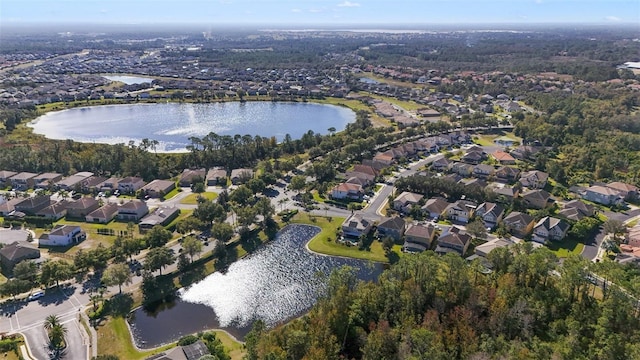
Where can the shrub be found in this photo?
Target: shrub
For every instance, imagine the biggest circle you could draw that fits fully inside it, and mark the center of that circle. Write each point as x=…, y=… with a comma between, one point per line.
x=187, y=340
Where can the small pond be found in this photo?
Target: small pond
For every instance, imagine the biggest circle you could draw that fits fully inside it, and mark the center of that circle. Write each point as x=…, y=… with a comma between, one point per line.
x=280, y=281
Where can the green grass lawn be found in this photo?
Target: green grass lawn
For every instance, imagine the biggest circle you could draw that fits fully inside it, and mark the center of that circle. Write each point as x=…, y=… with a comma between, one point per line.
x=172, y=193
x=565, y=248
x=3, y=279
x=114, y=339
x=321, y=244
x=192, y=199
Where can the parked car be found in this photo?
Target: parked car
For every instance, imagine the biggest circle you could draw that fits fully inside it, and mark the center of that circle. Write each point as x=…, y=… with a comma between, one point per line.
x=36, y=295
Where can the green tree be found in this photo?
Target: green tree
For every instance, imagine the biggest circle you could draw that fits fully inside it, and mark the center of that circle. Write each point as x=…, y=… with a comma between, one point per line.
x=26, y=270
x=191, y=246
x=159, y=257
x=222, y=232
x=158, y=236
x=477, y=229
x=55, y=271
x=265, y=209
x=117, y=274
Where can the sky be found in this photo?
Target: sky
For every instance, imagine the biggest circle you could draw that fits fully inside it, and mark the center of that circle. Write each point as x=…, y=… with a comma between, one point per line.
x=300, y=12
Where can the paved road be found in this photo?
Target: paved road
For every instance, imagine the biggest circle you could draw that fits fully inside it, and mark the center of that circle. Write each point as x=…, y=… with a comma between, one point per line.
x=28, y=318
x=592, y=246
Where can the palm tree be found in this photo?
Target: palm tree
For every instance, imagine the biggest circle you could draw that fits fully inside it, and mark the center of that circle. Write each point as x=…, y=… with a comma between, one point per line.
x=51, y=321
x=56, y=337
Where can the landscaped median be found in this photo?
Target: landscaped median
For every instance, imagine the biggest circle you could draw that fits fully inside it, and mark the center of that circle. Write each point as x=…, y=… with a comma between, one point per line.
x=325, y=242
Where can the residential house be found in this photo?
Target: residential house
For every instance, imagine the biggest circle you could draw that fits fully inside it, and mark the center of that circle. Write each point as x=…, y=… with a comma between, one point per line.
x=240, y=176
x=347, y=191
x=46, y=180
x=473, y=157
x=534, y=179
x=162, y=215
x=549, y=228
x=525, y=152
x=576, y=210
x=158, y=188
x=434, y=207
x=375, y=164
x=467, y=183
x=130, y=184
x=189, y=176
x=518, y=223
x=629, y=192
x=462, y=169
x=483, y=171
x=356, y=225
x=503, y=158
x=507, y=174
x=453, y=240
x=82, y=207
x=392, y=227
x=72, y=182
x=16, y=252
x=5, y=175
x=8, y=207
x=55, y=211
x=91, y=184
x=484, y=249
x=460, y=211
x=536, y=199
x=384, y=159
x=103, y=214
x=490, y=213
x=133, y=210
x=603, y=195
x=33, y=204
x=62, y=235
x=109, y=185
x=506, y=194
x=216, y=176
x=405, y=201
x=23, y=181
x=418, y=237
x=441, y=165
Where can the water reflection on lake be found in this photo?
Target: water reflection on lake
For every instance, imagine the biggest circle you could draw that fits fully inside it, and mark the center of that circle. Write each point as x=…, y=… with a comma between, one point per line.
x=278, y=282
x=128, y=80
x=173, y=124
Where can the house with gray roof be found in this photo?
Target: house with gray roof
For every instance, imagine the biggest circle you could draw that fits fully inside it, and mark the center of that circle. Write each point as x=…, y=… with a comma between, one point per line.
x=392, y=227
x=162, y=215
x=549, y=228
x=16, y=252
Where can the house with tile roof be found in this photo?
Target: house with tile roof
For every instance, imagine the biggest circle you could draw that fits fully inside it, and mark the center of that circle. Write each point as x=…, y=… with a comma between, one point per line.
x=549, y=228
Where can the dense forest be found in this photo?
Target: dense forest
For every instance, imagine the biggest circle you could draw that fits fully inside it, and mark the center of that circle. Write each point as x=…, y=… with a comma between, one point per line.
x=432, y=307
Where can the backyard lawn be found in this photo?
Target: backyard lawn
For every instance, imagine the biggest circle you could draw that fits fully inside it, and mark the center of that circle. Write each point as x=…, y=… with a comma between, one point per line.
x=324, y=242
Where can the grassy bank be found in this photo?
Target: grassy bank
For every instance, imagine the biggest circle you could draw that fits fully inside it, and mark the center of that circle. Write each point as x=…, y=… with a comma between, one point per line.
x=324, y=242
x=114, y=338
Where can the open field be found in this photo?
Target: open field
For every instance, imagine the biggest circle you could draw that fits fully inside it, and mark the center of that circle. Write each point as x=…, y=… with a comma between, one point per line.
x=566, y=247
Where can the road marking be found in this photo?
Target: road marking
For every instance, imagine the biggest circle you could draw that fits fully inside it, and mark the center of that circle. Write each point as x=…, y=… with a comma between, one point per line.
x=17, y=321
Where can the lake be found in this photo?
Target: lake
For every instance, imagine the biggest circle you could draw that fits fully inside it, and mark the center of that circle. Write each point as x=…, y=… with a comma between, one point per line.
x=172, y=124
x=128, y=80
x=280, y=281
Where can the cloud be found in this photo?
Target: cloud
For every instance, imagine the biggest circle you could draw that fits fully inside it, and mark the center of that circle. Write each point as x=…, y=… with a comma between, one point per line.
x=348, y=4
x=296, y=10
x=612, y=18
x=315, y=10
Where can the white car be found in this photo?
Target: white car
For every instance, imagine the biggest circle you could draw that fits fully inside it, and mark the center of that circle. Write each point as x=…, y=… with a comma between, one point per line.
x=36, y=295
